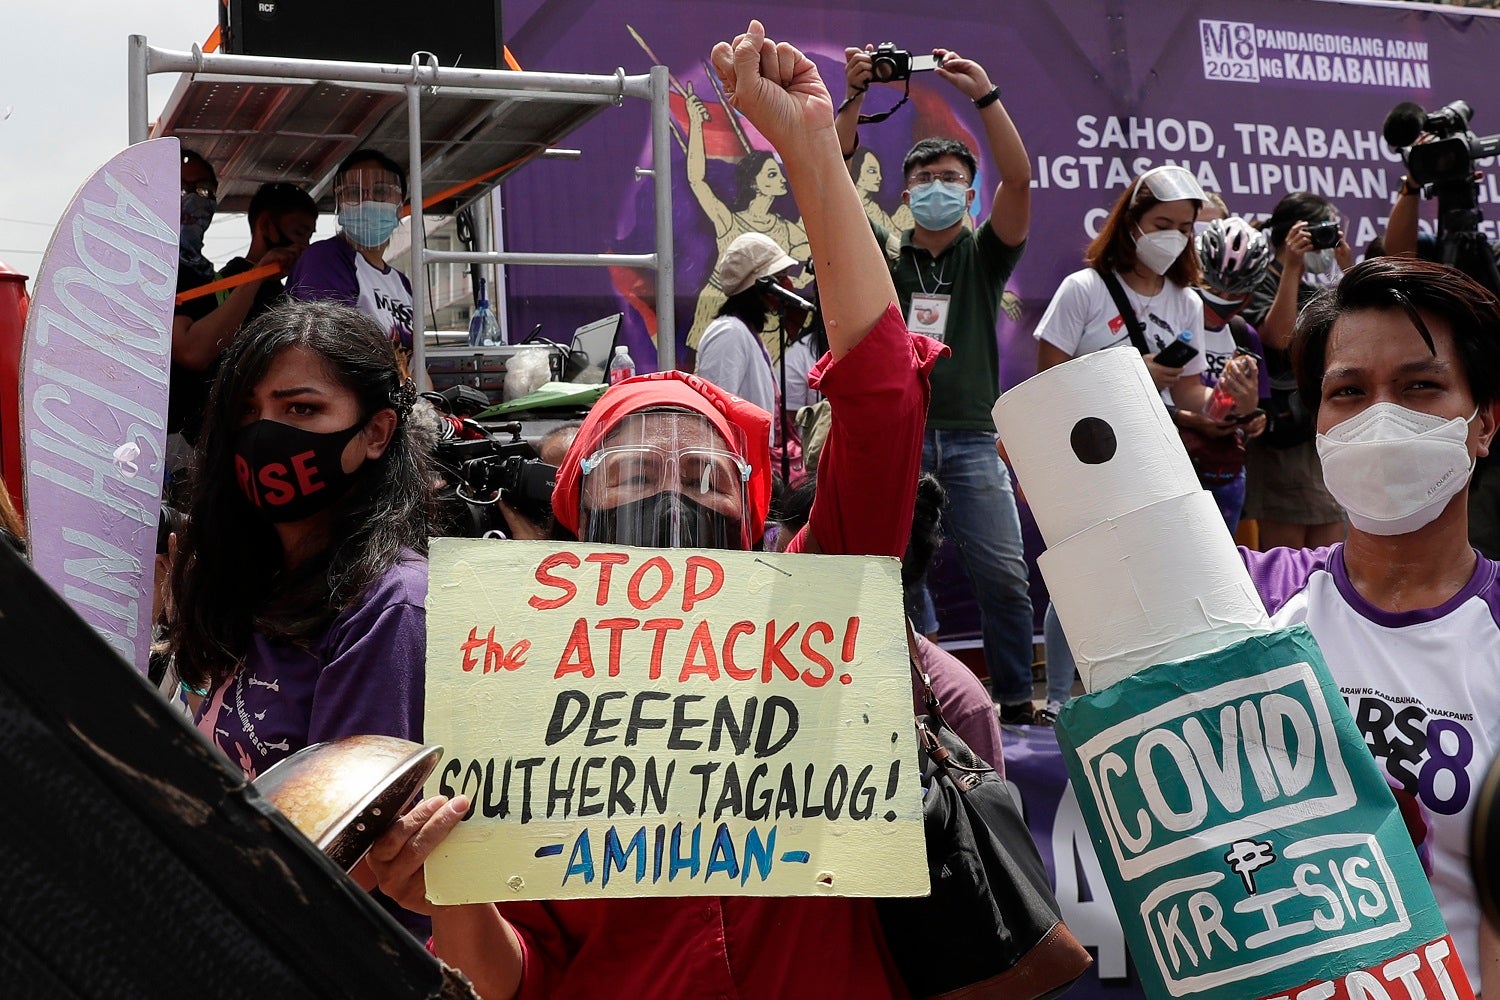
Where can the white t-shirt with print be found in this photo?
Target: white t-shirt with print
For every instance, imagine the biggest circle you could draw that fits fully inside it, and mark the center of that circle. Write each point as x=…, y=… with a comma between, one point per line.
x=1082, y=318
x=385, y=297
x=1424, y=689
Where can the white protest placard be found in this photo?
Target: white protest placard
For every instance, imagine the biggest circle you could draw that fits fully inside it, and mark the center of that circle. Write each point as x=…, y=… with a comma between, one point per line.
x=653, y=722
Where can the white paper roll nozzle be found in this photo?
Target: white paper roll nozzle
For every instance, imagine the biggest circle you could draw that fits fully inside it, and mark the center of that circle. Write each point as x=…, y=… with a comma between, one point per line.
x=1090, y=439
x=1139, y=563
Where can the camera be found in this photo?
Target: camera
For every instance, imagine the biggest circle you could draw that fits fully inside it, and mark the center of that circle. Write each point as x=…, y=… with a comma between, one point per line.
x=1324, y=235
x=1444, y=168
x=1449, y=157
x=889, y=64
x=476, y=472
x=524, y=483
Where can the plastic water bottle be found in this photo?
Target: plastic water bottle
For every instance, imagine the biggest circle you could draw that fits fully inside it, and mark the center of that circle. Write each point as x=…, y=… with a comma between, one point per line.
x=484, y=329
x=621, y=366
x=1220, y=403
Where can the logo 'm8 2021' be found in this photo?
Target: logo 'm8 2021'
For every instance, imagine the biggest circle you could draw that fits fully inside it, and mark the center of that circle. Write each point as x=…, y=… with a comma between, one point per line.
x=1229, y=51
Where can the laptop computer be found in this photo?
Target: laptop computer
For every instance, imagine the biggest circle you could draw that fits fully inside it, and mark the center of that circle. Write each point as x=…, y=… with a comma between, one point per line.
x=597, y=340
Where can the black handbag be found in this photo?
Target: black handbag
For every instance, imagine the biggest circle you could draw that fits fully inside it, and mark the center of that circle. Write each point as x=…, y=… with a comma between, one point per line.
x=991, y=927
x=1218, y=461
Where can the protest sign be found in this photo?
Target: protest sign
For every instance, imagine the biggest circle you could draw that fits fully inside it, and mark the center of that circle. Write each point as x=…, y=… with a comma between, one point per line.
x=638, y=722
x=1251, y=845
x=94, y=385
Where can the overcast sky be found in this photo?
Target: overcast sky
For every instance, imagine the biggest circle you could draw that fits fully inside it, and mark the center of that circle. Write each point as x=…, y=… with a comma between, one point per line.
x=62, y=80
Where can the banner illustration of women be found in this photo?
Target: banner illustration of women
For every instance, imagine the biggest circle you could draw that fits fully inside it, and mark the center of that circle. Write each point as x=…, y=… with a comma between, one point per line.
x=758, y=185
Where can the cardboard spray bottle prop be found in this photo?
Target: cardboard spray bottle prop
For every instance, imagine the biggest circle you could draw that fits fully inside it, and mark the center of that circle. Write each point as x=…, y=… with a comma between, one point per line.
x=1251, y=844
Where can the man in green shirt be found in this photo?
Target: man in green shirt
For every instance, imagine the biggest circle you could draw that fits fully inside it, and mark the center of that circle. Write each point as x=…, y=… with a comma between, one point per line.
x=950, y=279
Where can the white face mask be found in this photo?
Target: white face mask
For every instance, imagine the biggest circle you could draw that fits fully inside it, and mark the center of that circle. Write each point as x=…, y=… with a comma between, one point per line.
x=1318, y=262
x=1394, y=469
x=1160, y=249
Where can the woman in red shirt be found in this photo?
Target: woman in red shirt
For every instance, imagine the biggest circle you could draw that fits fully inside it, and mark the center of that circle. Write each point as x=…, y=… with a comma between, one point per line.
x=670, y=459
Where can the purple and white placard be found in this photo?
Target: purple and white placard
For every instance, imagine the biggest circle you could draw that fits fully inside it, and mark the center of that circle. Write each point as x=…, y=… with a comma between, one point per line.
x=94, y=370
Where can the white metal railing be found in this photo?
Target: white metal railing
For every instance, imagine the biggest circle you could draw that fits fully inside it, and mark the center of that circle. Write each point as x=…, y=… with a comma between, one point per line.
x=424, y=74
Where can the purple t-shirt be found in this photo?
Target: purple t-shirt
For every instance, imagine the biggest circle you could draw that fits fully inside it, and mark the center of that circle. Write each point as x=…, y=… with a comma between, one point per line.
x=333, y=270
x=967, y=706
x=1423, y=686
x=364, y=676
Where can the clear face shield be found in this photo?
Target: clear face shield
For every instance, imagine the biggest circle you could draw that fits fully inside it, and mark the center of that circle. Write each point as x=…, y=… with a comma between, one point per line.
x=1170, y=183
x=369, y=204
x=666, y=479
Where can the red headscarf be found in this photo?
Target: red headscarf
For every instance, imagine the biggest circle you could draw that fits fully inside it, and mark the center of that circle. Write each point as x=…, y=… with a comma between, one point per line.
x=680, y=391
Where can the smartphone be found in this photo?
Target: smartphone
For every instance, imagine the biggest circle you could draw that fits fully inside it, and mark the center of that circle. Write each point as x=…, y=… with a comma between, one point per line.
x=1176, y=354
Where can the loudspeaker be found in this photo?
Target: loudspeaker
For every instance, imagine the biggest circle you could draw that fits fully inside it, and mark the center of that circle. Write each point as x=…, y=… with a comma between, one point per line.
x=372, y=31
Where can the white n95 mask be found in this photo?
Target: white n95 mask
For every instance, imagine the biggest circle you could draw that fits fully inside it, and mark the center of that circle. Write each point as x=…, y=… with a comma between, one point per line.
x=1394, y=469
x=1160, y=250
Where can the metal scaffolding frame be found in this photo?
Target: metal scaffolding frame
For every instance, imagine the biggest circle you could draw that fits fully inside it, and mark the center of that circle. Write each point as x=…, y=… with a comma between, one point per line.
x=424, y=76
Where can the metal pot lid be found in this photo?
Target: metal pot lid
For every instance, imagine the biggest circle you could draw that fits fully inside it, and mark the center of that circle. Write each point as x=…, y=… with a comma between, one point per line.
x=345, y=793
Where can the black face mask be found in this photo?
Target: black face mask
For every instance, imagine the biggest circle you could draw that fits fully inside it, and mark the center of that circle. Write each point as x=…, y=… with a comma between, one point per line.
x=280, y=242
x=289, y=473
x=649, y=522
x=1222, y=312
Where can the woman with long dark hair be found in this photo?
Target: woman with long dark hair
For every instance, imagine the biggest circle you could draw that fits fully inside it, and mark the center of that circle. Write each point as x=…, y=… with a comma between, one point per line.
x=308, y=494
x=301, y=573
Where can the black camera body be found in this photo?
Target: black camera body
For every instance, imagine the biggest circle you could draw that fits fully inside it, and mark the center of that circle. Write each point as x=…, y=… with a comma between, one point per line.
x=478, y=472
x=1448, y=157
x=1324, y=235
x=524, y=483
x=1444, y=167
x=889, y=64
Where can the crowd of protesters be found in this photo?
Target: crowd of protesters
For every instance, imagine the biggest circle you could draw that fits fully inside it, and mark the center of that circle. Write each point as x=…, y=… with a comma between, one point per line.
x=1331, y=408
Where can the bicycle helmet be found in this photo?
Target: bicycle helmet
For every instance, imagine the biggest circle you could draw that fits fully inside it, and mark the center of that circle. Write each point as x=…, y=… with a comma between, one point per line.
x=1234, y=255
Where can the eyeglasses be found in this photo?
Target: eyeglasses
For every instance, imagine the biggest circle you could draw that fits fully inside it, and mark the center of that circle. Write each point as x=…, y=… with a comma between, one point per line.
x=713, y=477
x=924, y=177
x=202, y=189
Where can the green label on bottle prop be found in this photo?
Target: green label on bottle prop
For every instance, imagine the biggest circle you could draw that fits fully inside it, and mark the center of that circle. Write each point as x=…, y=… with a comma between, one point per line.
x=1250, y=842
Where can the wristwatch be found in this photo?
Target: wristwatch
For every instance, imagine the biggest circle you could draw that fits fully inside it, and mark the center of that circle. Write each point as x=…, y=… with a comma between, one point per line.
x=983, y=102
x=1408, y=188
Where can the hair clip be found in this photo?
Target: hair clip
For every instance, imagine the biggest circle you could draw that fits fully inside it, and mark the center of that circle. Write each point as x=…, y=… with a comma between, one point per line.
x=404, y=397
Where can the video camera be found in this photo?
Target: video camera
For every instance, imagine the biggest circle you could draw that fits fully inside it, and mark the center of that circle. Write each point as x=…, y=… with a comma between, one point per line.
x=1444, y=167
x=482, y=467
x=1450, y=156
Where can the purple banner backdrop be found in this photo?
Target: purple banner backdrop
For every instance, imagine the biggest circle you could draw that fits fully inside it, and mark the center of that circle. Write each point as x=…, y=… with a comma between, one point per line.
x=94, y=381
x=1258, y=99
x=1034, y=767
